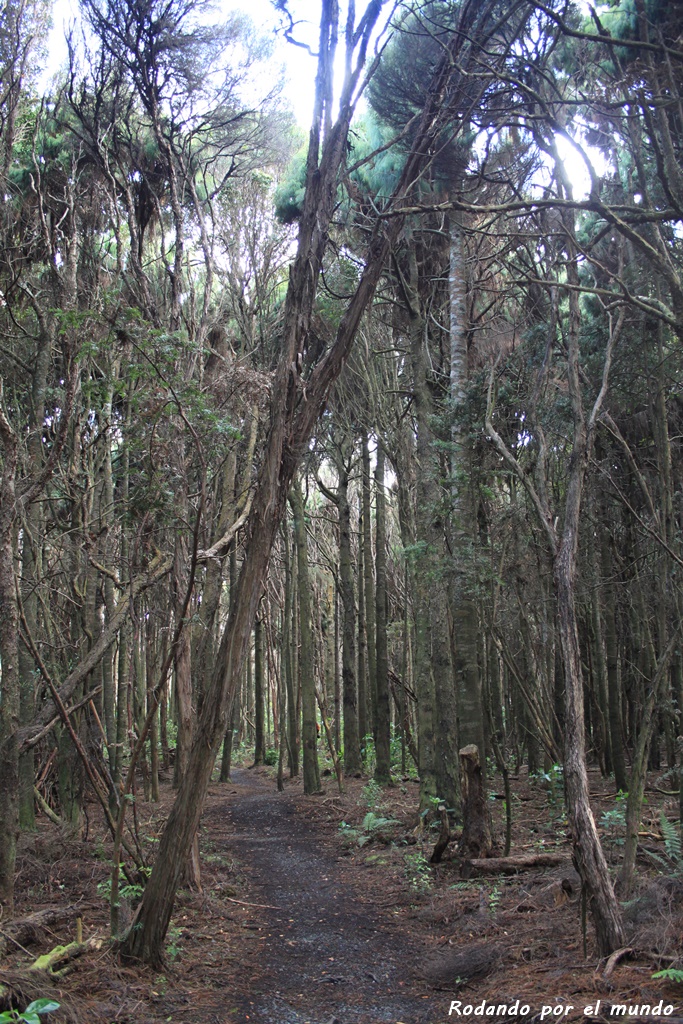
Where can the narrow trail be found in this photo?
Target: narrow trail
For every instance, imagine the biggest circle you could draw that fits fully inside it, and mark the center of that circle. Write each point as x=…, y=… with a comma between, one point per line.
x=330, y=954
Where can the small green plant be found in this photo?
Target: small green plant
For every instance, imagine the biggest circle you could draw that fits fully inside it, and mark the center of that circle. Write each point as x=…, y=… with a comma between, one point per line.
x=173, y=949
x=374, y=827
x=614, y=821
x=494, y=899
x=348, y=833
x=270, y=757
x=417, y=871
x=31, y=1014
x=553, y=781
x=370, y=794
x=367, y=752
x=670, y=974
x=131, y=891
x=99, y=852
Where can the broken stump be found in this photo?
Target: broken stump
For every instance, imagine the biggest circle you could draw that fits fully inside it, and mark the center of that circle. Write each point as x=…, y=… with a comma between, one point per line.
x=476, y=833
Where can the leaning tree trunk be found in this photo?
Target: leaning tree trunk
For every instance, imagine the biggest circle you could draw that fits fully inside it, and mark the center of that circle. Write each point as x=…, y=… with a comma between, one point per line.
x=588, y=853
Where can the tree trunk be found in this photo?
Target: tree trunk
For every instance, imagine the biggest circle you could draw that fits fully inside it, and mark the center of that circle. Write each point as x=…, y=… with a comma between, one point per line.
x=352, y=758
x=369, y=588
x=289, y=631
x=259, y=695
x=362, y=644
x=309, y=732
x=588, y=854
x=9, y=657
x=383, y=733
x=462, y=602
x=476, y=834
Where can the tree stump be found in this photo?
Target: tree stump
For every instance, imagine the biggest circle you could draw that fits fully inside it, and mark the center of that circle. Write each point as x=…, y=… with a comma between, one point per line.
x=476, y=834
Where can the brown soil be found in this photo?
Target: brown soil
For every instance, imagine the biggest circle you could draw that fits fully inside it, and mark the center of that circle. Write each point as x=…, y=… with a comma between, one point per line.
x=309, y=916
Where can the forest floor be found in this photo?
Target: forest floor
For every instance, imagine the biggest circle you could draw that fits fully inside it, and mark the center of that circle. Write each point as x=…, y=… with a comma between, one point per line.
x=324, y=910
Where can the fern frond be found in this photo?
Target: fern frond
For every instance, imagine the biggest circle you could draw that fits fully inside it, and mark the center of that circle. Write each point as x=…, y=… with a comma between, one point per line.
x=672, y=841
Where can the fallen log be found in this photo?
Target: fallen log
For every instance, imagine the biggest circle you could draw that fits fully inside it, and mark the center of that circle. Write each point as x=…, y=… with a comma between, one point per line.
x=30, y=928
x=57, y=962
x=510, y=865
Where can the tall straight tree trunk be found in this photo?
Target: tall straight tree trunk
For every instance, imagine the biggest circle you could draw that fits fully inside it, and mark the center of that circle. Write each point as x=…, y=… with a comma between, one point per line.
x=9, y=653
x=369, y=586
x=362, y=645
x=383, y=734
x=463, y=604
x=599, y=652
x=352, y=758
x=289, y=631
x=309, y=732
x=123, y=666
x=183, y=668
x=432, y=658
x=259, y=695
x=609, y=608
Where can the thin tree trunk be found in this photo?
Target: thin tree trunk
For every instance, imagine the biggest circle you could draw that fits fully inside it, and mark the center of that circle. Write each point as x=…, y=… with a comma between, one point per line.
x=289, y=629
x=259, y=695
x=362, y=646
x=309, y=732
x=9, y=655
x=352, y=758
x=368, y=583
x=383, y=735
x=463, y=605
x=612, y=665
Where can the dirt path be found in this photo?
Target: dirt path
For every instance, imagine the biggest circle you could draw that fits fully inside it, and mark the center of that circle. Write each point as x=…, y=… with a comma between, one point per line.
x=329, y=954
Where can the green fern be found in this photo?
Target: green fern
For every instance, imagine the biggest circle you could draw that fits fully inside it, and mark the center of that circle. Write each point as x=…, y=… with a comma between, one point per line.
x=671, y=974
x=672, y=842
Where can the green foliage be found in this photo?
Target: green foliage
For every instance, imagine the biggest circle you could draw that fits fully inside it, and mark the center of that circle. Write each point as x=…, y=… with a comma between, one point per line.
x=670, y=974
x=614, y=821
x=367, y=752
x=131, y=891
x=553, y=781
x=173, y=949
x=374, y=827
x=494, y=899
x=370, y=794
x=289, y=196
x=270, y=757
x=672, y=842
x=417, y=870
x=31, y=1014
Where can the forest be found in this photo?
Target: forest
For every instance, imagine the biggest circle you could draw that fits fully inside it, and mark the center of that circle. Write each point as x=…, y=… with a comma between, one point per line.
x=354, y=454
